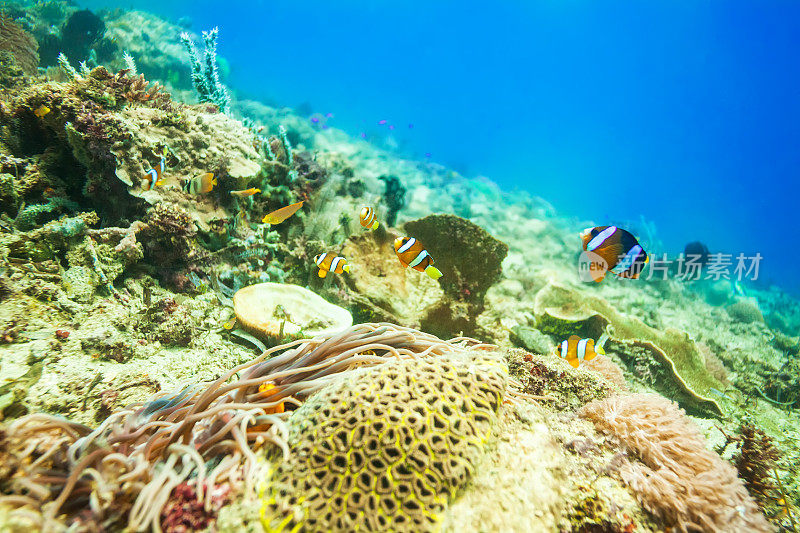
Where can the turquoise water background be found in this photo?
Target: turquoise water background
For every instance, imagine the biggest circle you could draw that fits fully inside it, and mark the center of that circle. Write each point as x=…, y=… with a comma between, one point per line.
x=686, y=113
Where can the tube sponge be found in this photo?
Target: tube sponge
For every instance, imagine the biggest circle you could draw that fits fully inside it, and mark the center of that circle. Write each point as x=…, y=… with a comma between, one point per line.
x=387, y=448
x=682, y=482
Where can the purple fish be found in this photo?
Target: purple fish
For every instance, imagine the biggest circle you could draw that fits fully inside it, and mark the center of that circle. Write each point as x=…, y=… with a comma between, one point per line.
x=391, y=126
x=314, y=119
x=362, y=135
x=382, y=122
x=328, y=115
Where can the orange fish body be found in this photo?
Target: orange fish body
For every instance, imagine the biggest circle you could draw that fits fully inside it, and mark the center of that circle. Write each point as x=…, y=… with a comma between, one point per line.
x=41, y=111
x=575, y=350
x=259, y=428
x=279, y=215
x=412, y=254
x=368, y=218
x=331, y=263
x=619, y=250
x=247, y=192
x=154, y=176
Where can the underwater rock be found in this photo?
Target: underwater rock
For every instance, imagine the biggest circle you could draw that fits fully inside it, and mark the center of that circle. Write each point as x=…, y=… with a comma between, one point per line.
x=20, y=44
x=531, y=339
x=380, y=288
x=387, y=448
x=275, y=310
x=669, y=361
x=745, y=311
x=470, y=260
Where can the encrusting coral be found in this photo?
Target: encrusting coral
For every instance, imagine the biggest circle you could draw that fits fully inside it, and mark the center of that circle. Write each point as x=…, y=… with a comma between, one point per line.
x=19, y=43
x=679, y=480
x=276, y=310
x=387, y=448
x=125, y=469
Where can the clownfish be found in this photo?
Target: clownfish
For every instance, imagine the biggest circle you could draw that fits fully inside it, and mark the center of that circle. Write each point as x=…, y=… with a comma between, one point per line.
x=331, y=263
x=153, y=177
x=412, y=254
x=619, y=249
x=575, y=350
x=368, y=218
x=247, y=192
x=204, y=183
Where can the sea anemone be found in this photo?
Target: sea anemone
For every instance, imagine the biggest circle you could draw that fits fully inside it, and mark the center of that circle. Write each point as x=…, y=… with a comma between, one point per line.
x=206, y=434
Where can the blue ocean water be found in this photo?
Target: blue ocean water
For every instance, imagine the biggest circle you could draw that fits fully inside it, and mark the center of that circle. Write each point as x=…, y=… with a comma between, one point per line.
x=686, y=113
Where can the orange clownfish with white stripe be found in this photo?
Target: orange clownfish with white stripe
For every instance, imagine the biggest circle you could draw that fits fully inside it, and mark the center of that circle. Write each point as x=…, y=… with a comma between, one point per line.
x=331, y=263
x=368, y=218
x=412, y=254
x=575, y=350
x=153, y=177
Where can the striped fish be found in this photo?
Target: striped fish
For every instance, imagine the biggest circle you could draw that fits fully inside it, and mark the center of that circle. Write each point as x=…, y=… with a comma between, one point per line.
x=623, y=254
x=202, y=184
x=153, y=177
x=575, y=350
x=412, y=254
x=368, y=218
x=331, y=263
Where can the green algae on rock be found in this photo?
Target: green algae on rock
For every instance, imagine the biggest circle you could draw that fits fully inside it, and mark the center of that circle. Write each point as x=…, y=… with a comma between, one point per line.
x=670, y=360
x=387, y=448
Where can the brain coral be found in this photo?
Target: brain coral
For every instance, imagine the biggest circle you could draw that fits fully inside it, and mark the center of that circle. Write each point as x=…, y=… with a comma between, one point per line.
x=387, y=448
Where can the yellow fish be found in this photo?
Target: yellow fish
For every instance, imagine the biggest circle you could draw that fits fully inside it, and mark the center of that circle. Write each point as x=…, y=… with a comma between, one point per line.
x=41, y=111
x=204, y=183
x=247, y=192
x=279, y=215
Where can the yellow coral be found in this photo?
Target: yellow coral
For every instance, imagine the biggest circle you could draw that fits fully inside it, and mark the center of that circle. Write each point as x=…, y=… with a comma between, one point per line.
x=386, y=449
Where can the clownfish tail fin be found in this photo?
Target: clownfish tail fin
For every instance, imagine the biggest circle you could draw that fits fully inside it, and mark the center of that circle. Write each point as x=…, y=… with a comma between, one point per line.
x=375, y=225
x=433, y=272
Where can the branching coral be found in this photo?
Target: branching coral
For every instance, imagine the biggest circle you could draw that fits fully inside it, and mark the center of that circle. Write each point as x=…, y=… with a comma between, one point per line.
x=686, y=485
x=205, y=73
x=125, y=470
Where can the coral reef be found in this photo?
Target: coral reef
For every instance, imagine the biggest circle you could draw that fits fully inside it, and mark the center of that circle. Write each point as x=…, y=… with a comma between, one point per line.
x=275, y=311
x=20, y=44
x=205, y=73
x=669, y=360
x=387, y=448
x=679, y=480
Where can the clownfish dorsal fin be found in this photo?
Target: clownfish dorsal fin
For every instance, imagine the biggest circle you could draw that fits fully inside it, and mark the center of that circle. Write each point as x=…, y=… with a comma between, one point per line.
x=573, y=338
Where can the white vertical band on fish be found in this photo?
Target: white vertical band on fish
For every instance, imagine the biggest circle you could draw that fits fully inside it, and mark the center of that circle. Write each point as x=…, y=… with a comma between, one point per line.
x=600, y=238
x=628, y=260
x=582, y=348
x=409, y=243
x=335, y=263
x=420, y=257
x=321, y=258
x=564, y=347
